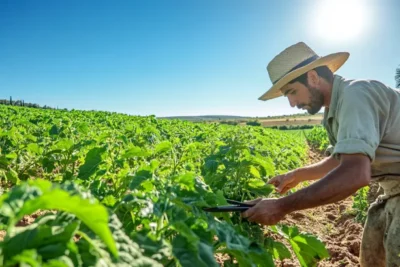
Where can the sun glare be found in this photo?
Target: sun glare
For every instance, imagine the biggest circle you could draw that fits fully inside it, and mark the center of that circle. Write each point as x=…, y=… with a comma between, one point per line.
x=339, y=20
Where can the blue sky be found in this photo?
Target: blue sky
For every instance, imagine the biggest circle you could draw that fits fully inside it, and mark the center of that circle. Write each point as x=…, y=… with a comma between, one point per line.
x=182, y=57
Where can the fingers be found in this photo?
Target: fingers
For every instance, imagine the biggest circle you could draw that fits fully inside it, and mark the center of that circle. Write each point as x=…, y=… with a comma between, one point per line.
x=285, y=189
x=249, y=213
x=279, y=182
x=257, y=217
x=275, y=181
x=254, y=201
x=282, y=186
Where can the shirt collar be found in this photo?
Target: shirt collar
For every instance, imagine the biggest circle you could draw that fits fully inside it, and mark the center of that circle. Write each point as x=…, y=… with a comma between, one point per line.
x=337, y=83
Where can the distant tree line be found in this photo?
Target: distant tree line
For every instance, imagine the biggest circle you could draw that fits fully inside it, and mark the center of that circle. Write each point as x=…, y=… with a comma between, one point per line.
x=22, y=103
x=229, y=122
x=253, y=123
x=292, y=127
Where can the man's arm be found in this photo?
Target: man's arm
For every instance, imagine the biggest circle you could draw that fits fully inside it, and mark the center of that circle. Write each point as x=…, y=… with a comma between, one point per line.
x=353, y=173
x=317, y=170
x=286, y=181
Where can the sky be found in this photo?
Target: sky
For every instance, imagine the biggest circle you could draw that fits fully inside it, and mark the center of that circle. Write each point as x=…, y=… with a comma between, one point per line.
x=182, y=58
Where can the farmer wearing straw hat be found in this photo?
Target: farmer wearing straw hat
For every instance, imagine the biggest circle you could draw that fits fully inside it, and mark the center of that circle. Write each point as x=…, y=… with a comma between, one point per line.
x=362, y=119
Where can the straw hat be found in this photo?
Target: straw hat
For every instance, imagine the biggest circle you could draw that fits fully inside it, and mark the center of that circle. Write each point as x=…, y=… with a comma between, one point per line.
x=295, y=61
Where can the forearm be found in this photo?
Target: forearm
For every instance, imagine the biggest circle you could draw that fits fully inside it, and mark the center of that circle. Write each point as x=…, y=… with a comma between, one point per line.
x=317, y=170
x=337, y=185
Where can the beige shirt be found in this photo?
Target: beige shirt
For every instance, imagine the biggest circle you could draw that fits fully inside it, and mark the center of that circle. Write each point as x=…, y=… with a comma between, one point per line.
x=364, y=117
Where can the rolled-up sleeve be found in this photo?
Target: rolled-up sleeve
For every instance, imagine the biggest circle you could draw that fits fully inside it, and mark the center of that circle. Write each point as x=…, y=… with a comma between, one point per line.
x=358, y=117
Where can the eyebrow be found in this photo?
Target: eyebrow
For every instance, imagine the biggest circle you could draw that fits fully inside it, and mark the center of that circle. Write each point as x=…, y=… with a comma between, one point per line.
x=287, y=92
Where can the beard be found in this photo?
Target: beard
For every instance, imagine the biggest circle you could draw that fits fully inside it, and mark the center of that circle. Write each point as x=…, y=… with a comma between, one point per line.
x=316, y=100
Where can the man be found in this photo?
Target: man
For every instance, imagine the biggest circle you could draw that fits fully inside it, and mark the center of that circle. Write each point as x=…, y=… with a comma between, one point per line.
x=362, y=118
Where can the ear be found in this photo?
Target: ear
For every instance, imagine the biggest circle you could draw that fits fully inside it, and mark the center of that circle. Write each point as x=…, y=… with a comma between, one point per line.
x=313, y=78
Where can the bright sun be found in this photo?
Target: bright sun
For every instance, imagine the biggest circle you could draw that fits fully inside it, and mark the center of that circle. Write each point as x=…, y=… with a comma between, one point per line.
x=339, y=20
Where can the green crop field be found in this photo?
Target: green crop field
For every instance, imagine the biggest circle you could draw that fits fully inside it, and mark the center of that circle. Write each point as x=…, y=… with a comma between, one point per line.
x=116, y=190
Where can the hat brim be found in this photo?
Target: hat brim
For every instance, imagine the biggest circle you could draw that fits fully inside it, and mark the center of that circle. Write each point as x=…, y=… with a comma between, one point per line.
x=332, y=61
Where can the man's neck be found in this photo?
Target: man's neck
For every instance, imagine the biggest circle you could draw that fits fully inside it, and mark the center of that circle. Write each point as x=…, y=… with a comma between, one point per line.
x=326, y=89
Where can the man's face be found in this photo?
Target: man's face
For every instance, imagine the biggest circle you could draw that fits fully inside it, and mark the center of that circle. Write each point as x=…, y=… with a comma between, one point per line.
x=304, y=97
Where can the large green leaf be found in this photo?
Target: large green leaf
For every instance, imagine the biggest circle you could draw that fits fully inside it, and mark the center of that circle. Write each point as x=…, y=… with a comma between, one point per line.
x=141, y=176
x=63, y=144
x=44, y=195
x=47, y=232
x=92, y=162
x=34, y=148
x=129, y=252
x=278, y=249
x=308, y=248
x=246, y=252
x=259, y=187
x=163, y=147
x=185, y=181
x=26, y=258
x=135, y=152
x=188, y=254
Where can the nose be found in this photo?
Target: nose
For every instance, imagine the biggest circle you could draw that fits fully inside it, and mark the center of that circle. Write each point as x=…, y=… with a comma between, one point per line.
x=292, y=101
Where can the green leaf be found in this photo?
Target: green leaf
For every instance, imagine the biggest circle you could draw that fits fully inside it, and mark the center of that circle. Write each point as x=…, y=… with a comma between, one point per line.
x=34, y=148
x=308, y=248
x=12, y=155
x=211, y=166
x=12, y=176
x=266, y=164
x=129, y=252
x=92, y=162
x=163, y=147
x=188, y=254
x=253, y=171
x=54, y=130
x=3, y=163
x=147, y=186
x=109, y=201
x=26, y=258
x=245, y=252
x=135, y=152
x=63, y=144
x=185, y=181
x=259, y=187
x=83, y=128
x=278, y=249
x=183, y=229
x=44, y=195
x=139, y=177
x=47, y=231
x=156, y=249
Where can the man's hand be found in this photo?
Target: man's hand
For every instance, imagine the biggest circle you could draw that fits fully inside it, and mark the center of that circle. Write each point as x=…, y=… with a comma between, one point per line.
x=285, y=182
x=267, y=211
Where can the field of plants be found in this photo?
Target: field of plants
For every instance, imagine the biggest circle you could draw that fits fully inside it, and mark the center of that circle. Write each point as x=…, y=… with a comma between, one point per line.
x=107, y=189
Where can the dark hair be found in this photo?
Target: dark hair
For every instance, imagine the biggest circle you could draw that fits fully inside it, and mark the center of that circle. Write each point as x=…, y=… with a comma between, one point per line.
x=322, y=71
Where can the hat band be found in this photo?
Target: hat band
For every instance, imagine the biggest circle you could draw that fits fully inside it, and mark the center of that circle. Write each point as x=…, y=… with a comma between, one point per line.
x=301, y=64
